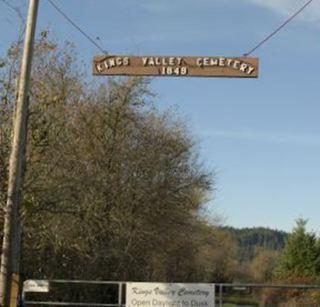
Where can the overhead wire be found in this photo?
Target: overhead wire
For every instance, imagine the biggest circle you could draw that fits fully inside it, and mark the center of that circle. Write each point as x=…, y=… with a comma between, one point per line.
x=87, y=36
x=9, y=5
x=279, y=28
x=13, y=8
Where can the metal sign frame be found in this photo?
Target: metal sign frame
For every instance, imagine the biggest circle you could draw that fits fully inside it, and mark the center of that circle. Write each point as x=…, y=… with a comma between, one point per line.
x=176, y=66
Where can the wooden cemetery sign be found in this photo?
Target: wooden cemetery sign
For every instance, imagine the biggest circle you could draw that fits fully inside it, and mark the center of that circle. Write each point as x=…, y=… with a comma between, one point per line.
x=176, y=66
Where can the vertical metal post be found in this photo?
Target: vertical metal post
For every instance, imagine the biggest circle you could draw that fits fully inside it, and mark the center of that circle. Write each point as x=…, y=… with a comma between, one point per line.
x=220, y=295
x=10, y=258
x=23, y=295
x=120, y=295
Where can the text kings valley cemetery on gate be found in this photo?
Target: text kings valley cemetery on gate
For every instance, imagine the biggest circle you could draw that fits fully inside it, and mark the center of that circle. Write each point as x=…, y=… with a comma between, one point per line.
x=179, y=66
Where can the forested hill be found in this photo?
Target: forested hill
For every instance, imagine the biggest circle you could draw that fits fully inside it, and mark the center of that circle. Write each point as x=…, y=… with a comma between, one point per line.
x=250, y=239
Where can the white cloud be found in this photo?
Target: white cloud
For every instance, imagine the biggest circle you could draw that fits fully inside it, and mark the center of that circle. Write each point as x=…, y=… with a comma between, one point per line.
x=288, y=7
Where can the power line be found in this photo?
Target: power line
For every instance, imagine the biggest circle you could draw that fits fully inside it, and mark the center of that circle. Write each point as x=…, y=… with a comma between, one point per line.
x=9, y=5
x=245, y=54
x=279, y=28
x=87, y=36
x=13, y=8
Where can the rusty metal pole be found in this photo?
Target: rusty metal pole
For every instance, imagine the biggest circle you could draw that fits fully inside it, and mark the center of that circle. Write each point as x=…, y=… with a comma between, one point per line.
x=10, y=258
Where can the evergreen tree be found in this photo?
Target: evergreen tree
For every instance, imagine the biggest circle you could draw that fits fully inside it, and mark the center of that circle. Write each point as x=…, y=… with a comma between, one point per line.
x=301, y=257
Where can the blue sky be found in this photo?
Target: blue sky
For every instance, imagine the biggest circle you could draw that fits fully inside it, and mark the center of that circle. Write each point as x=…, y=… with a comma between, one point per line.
x=262, y=137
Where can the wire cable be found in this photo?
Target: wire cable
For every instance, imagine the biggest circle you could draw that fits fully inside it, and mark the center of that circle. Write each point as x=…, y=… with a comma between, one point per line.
x=13, y=8
x=279, y=28
x=245, y=54
x=10, y=6
x=77, y=27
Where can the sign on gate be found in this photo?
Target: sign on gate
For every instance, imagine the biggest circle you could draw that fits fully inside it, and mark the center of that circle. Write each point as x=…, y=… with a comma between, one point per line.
x=176, y=66
x=170, y=295
x=34, y=285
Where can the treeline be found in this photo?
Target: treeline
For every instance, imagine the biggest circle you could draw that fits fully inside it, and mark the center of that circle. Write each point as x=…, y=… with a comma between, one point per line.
x=257, y=252
x=249, y=240
x=275, y=257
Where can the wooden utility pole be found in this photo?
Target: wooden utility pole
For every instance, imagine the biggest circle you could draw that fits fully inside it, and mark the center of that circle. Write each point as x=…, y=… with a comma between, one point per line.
x=10, y=258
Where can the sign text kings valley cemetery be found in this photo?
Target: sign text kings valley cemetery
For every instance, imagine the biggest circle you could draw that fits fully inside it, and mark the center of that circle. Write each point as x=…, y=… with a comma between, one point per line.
x=178, y=66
